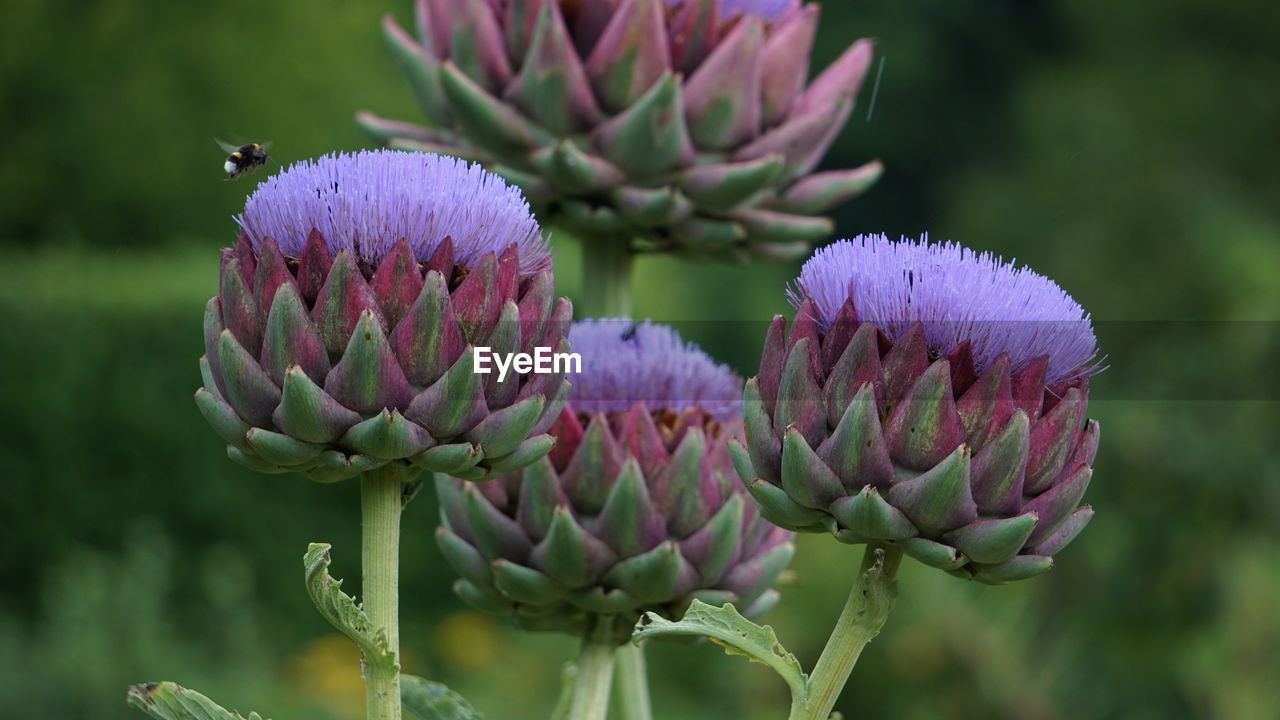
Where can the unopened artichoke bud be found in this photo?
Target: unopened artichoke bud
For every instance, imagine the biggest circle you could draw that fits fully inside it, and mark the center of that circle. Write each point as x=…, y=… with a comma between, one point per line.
x=927, y=396
x=636, y=509
x=351, y=310
x=682, y=126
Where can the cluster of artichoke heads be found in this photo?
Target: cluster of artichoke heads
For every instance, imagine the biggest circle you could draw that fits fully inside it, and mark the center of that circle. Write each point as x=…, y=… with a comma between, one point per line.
x=688, y=128
x=684, y=127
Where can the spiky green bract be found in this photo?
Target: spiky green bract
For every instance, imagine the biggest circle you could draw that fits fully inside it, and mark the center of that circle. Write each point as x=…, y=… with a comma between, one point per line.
x=879, y=436
x=687, y=127
x=333, y=365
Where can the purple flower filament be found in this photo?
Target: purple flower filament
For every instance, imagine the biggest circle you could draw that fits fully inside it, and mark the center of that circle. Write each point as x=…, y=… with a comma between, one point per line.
x=957, y=294
x=625, y=362
x=367, y=201
x=768, y=10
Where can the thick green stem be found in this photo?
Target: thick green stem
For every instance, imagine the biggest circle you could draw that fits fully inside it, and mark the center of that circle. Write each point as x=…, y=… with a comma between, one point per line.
x=594, y=683
x=568, y=674
x=872, y=597
x=633, y=684
x=380, y=504
x=606, y=281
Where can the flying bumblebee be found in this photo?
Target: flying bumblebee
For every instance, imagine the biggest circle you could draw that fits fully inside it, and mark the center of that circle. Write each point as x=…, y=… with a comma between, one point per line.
x=243, y=159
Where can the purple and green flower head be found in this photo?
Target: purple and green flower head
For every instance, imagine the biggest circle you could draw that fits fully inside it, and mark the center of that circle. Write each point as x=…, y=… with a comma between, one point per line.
x=625, y=362
x=637, y=508
x=682, y=126
x=344, y=331
x=928, y=396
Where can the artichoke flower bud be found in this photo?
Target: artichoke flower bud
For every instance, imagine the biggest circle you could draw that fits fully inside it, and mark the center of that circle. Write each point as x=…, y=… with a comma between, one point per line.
x=637, y=508
x=344, y=331
x=927, y=396
x=681, y=126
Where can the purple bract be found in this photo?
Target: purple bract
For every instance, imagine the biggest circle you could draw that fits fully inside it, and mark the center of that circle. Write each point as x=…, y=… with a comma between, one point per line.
x=956, y=294
x=369, y=200
x=625, y=362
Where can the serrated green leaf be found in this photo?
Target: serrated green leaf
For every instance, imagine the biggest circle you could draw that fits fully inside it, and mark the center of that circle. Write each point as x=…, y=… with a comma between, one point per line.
x=428, y=700
x=170, y=701
x=736, y=634
x=342, y=611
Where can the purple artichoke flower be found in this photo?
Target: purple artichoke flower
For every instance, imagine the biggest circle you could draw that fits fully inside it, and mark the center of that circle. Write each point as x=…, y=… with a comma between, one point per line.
x=685, y=126
x=342, y=335
x=927, y=396
x=636, y=509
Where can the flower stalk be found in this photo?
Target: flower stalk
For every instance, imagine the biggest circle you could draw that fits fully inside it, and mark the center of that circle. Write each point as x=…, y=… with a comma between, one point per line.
x=606, y=278
x=633, y=684
x=564, y=703
x=380, y=503
x=594, y=684
x=870, y=601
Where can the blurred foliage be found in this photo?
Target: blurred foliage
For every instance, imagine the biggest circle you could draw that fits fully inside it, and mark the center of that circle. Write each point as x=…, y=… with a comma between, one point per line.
x=1126, y=150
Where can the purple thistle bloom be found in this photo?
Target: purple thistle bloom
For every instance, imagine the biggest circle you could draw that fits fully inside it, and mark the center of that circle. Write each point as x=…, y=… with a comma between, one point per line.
x=635, y=508
x=957, y=294
x=931, y=397
x=769, y=10
x=348, y=314
x=625, y=362
x=369, y=200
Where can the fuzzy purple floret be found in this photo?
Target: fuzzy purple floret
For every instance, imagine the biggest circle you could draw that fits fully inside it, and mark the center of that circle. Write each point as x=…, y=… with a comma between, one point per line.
x=625, y=362
x=368, y=200
x=768, y=10
x=957, y=294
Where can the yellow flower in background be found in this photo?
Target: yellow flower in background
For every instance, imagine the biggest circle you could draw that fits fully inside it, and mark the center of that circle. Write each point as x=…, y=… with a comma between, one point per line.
x=467, y=640
x=328, y=671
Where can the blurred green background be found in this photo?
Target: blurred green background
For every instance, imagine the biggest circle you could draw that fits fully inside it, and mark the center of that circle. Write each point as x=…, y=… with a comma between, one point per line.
x=1128, y=150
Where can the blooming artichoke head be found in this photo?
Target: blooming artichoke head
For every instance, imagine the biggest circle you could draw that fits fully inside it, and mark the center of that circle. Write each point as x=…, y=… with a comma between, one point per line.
x=342, y=335
x=927, y=396
x=684, y=126
x=636, y=509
